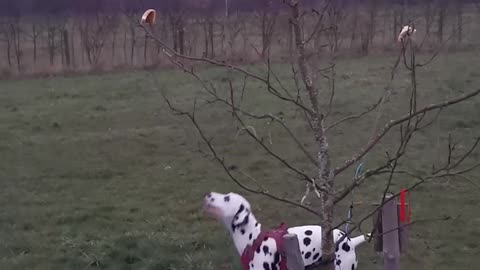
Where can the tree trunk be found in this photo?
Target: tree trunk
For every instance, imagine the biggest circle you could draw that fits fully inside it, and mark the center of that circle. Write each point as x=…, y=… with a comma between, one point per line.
x=355, y=26
x=205, y=31
x=51, y=44
x=181, y=35
x=325, y=175
x=72, y=44
x=66, y=47
x=9, y=48
x=15, y=31
x=441, y=22
x=459, y=11
x=133, y=44
x=395, y=24
x=34, y=40
x=211, y=36
x=114, y=39
x=125, y=57
x=290, y=39
x=145, y=49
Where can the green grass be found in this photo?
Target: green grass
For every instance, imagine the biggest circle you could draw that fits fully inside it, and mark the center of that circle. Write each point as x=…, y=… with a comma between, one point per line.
x=96, y=173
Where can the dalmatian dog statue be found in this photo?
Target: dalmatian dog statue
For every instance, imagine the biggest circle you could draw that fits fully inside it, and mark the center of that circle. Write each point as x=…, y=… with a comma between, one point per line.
x=235, y=213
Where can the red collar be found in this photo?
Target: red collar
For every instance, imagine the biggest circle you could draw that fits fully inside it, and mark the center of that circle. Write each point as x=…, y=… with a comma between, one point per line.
x=277, y=234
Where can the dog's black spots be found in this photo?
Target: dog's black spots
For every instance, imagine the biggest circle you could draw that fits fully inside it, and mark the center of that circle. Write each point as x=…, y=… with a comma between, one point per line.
x=303, y=252
x=242, y=231
x=353, y=266
x=250, y=236
x=336, y=248
x=244, y=221
x=265, y=238
x=346, y=247
x=252, y=265
x=226, y=198
x=242, y=207
x=307, y=241
x=276, y=258
x=308, y=232
x=313, y=250
x=315, y=257
x=307, y=255
x=212, y=199
x=265, y=250
x=258, y=249
x=276, y=261
x=338, y=262
x=256, y=224
x=266, y=266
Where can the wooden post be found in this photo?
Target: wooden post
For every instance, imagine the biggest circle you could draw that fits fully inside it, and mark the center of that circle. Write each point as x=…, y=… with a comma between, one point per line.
x=292, y=252
x=391, y=245
x=377, y=235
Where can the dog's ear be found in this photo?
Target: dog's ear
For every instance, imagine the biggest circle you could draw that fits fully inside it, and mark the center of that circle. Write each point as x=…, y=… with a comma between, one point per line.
x=241, y=217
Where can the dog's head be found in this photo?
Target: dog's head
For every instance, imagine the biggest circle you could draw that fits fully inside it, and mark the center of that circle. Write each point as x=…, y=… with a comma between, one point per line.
x=232, y=209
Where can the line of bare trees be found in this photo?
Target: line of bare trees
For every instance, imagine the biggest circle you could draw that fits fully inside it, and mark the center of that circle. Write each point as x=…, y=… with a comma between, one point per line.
x=99, y=39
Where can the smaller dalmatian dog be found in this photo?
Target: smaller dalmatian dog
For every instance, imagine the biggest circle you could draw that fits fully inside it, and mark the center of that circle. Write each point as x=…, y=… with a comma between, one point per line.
x=235, y=213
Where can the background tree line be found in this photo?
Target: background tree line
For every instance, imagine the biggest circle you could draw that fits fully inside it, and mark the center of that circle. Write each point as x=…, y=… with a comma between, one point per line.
x=47, y=37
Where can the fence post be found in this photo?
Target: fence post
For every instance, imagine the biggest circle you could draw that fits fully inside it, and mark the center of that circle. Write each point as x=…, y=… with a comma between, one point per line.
x=377, y=235
x=292, y=252
x=391, y=243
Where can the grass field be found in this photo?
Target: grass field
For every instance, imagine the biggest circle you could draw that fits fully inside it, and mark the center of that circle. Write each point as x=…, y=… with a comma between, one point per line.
x=96, y=173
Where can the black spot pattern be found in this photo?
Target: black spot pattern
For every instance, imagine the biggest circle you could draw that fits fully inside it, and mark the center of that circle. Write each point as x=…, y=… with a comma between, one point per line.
x=266, y=266
x=336, y=248
x=250, y=236
x=256, y=224
x=338, y=262
x=313, y=250
x=265, y=250
x=307, y=255
x=276, y=261
x=315, y=257
x=346, y=247
x=353, y=266
x=308, y=232
x=258, y=249
x=226, y=198
x=307, y=241
x=242, y=231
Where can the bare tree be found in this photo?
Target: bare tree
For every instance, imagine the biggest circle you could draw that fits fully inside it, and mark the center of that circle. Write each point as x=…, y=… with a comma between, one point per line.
x=94, y=32
x=13, y=34
x=36, y=31
x=4, y=28
x=309, y=98
x=54, y=30
x=442, y=14
x=268, y=18
x=459, y=22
